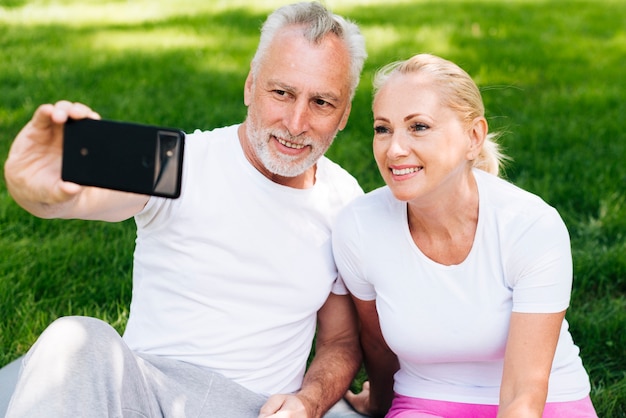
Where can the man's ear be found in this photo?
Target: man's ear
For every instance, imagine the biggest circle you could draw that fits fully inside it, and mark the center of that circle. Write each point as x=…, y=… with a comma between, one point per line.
x=477, y=134
x=345, y=117
x=247, y=89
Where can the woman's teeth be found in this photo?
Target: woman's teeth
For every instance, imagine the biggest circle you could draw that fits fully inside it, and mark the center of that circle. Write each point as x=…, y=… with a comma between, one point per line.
x=404, y=171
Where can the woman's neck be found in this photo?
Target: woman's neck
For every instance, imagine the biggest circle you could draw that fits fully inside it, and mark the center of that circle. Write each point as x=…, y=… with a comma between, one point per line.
x=444, y=228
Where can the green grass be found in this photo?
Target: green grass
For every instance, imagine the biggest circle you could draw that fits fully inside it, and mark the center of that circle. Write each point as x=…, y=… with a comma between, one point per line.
x=551, y=74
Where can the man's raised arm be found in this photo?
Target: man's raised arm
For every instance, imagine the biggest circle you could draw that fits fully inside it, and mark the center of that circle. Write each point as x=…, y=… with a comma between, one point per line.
x=33, y=172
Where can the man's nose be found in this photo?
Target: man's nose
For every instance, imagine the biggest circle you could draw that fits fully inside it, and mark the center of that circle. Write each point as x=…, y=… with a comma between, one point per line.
x=297, y=118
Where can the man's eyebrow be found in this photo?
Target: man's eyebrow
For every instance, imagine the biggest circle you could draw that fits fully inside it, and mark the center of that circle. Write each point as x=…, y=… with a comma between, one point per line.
x=327, y=96
x=278, y=84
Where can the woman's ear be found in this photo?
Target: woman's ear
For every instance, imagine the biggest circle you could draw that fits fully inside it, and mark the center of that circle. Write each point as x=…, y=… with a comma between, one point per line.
x=477, y=134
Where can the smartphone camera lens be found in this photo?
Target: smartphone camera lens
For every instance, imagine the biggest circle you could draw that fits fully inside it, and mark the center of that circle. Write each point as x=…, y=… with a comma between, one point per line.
x=168, y=142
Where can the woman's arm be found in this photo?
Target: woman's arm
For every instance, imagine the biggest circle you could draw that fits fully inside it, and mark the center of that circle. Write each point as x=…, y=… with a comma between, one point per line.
x=380, y=363
x=530, y=349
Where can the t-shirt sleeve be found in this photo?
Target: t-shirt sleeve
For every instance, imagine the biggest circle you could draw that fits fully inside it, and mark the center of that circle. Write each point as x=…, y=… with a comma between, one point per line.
x=349, y=255
x=339, y=287
x=158, y=210
x=540, y=266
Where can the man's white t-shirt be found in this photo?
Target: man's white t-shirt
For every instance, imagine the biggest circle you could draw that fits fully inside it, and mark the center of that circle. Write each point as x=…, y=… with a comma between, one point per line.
x=448, y=324
x=230, y=276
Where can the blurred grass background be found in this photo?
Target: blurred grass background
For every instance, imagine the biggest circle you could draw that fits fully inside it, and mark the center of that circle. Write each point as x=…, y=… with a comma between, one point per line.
x=551, y=72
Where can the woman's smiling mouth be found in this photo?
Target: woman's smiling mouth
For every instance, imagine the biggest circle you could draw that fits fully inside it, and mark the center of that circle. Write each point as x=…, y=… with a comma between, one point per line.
x=404, y=171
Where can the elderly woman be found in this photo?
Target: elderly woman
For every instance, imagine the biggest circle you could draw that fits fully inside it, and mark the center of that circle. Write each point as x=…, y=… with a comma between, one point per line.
x=461, y=279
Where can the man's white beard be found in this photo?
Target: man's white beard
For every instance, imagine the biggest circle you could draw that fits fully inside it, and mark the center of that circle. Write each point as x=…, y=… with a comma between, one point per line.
x=281, y=164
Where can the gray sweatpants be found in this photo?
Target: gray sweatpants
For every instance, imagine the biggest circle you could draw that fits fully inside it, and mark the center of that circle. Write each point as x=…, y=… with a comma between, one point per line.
x=81, y=367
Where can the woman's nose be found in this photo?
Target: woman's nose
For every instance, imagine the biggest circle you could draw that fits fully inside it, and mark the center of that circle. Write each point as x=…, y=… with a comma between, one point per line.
x=397, y=146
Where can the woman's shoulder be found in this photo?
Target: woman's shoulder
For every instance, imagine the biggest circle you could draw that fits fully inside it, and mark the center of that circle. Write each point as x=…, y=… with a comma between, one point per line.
x=502, y=193
x=515, y=210
x=374, y=207
x=380, y=199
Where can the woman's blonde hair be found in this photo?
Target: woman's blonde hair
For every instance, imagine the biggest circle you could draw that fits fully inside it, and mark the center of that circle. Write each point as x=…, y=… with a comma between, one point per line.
x=459, y=92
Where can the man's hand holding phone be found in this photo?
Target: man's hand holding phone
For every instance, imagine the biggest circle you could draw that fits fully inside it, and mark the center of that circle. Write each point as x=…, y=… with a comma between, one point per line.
x=123, y=156
x=34, y=166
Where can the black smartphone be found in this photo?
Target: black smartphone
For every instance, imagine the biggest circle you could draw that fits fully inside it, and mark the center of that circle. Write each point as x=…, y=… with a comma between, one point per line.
x=123, y=156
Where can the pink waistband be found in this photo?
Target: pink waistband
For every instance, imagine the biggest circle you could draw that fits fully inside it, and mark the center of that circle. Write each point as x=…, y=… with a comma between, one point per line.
x=408, y=407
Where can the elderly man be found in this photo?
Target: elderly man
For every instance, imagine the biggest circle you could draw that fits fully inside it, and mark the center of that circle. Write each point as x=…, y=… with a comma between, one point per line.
x=231, y=279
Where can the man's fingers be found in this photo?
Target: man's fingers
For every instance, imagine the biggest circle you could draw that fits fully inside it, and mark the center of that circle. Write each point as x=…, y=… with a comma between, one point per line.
x=70, y=188
x=42, y=118
x=273, y=404
x=58, y=113
x=80, y=111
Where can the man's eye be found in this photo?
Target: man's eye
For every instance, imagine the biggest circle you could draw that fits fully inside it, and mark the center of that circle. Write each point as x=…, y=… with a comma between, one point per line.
x=321, y=102
x=280, y=92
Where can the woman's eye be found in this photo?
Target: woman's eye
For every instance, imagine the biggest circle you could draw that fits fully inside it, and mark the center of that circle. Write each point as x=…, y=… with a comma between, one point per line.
x=419, y=127
x=380, y=129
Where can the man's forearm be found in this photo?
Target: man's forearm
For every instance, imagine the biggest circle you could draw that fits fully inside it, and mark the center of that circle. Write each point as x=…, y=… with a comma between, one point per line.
x=329, y=376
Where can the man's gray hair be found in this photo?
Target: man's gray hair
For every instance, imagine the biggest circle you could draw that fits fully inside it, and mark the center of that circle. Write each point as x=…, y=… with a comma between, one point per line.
x=317, y=22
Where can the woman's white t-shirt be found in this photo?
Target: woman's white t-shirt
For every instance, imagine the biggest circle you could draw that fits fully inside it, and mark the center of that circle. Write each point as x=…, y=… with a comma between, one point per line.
x=448, y=324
